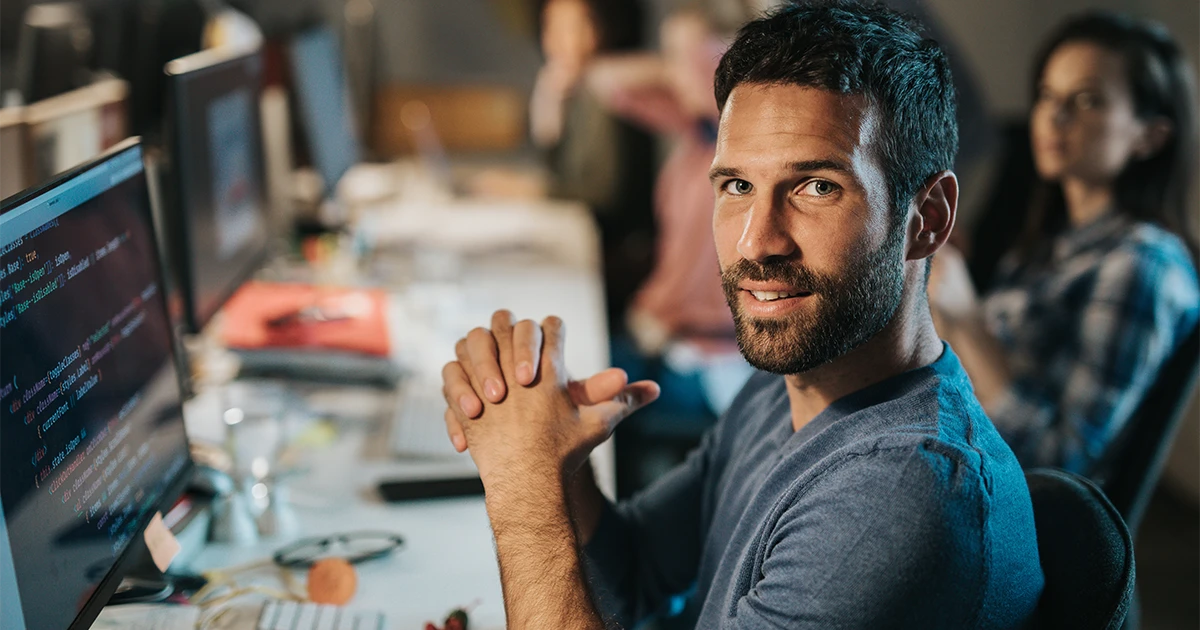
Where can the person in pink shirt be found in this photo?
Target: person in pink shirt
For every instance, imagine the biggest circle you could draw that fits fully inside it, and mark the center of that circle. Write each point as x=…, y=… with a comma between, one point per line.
x=670, y=94
x=680, y=331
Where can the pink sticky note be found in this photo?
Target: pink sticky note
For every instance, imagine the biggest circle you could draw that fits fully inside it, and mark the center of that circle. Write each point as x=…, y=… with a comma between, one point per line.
x=161, y=542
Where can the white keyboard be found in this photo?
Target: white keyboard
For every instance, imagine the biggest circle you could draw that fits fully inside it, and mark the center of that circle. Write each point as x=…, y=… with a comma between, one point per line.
x=278, y=614
x=419, y=426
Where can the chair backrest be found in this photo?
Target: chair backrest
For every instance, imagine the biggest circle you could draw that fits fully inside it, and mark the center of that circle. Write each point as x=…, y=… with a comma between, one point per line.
x=1130, y=470
x=1086, y=553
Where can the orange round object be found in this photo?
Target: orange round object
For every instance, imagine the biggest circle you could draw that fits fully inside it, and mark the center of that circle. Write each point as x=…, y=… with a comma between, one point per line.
x=331, y=581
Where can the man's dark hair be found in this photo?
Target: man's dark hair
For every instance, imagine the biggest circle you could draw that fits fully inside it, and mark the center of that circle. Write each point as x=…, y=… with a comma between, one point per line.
x=857, y=48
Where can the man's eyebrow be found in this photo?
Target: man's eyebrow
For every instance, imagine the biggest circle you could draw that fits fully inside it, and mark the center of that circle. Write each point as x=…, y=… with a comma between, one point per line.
x=719, y=172
x=803, y=166
x=818, y=165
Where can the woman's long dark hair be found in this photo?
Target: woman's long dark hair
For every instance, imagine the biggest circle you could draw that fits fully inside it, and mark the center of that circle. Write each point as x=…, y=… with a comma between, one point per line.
x=1154, y=189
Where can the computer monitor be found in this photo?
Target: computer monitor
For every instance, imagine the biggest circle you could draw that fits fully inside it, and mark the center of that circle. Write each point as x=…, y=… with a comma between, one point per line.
x=324, y=103
x=92, y=439
x=217, y=211
x=54, y=49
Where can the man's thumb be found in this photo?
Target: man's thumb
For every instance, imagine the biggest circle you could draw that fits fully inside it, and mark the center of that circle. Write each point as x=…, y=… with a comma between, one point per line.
x=600, y=387
x=640, y=394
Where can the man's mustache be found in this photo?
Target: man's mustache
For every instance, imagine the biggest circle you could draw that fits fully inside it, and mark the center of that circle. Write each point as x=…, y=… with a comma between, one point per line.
x=791, y=274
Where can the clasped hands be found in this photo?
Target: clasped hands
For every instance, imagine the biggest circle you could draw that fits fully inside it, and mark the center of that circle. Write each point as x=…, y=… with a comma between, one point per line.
x=512, y=405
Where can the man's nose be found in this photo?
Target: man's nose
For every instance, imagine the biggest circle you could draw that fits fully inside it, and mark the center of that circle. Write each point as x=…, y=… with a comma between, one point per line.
x=765, y=234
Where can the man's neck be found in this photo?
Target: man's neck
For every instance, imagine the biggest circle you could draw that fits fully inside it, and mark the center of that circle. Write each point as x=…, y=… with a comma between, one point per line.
x=908, y=342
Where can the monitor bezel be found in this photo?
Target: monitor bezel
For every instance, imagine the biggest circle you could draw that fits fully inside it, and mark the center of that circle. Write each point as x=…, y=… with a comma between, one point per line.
x=112, y=579
x=176, y=215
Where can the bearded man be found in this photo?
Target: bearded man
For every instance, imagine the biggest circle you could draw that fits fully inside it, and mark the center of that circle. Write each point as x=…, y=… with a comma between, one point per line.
x=855, y=482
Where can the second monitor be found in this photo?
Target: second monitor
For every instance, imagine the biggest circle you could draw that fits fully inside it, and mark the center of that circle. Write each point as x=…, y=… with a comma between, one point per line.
x=216, y=198
x=324, y=104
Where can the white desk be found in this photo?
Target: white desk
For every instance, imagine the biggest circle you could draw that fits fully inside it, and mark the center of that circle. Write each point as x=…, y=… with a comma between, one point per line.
x=449, y=559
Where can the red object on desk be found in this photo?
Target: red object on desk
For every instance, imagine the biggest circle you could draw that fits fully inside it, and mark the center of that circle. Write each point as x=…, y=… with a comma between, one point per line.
x=268, y=315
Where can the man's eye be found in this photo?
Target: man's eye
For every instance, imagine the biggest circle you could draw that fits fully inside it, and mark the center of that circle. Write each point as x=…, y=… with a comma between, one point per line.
x=738, y=187
x=819, y=188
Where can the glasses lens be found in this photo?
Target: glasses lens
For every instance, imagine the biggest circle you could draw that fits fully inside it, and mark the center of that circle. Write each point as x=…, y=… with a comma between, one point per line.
x=364, y=545
x=302, y=551
x=353, y=547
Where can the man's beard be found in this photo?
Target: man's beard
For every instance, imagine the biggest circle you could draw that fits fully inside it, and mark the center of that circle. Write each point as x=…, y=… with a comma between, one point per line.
x=850, y=308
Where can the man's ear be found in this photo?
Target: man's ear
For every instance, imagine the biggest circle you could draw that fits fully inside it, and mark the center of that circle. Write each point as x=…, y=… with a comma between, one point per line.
x=936, y=208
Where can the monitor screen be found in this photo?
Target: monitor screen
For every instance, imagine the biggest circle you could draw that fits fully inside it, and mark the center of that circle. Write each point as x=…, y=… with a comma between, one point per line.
x=92, y=439
x=324, y=103
x=220, y=205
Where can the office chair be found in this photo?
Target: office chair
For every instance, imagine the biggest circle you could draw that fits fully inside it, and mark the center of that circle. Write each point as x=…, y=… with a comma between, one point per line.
x=1086, y=553
x=1129, y=472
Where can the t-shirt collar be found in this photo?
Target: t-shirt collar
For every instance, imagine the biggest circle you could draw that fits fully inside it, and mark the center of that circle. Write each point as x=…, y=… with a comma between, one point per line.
x=946, y=366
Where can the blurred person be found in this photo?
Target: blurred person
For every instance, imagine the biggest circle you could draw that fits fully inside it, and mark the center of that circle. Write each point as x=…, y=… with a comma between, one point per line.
x=1103, y=287
x=564, y=118
x=679, y=327
x=591, y=155
x=855, y=482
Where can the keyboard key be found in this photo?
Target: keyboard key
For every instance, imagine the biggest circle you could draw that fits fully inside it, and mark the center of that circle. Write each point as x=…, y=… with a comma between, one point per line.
x=289, y=615
x=307, y=619
x=326, y=617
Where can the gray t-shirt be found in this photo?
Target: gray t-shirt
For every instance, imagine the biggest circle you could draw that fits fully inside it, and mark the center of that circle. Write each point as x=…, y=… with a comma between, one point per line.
x=898, y=506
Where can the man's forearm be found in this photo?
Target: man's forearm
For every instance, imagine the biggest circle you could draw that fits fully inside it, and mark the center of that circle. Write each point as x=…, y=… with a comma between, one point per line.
x=540, y=569
x=585, y=502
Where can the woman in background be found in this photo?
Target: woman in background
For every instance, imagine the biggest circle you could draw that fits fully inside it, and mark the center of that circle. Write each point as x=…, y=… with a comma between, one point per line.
x=1102, y=288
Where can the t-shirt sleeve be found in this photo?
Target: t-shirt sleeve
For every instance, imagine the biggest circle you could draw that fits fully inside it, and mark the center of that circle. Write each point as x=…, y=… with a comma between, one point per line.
x=892, y=538
x=1130, y=324
x=648, y=548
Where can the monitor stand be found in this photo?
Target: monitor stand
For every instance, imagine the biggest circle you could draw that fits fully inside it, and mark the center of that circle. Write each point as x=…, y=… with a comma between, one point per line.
x=141, y=590
x=144, y=583
x=144, y=589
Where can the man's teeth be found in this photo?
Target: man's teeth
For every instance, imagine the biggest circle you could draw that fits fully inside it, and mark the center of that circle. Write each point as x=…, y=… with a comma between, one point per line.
x=768, y=296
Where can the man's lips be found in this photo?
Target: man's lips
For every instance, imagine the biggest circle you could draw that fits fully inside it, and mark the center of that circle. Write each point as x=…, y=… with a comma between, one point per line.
x=777, y=302
x=772, y=291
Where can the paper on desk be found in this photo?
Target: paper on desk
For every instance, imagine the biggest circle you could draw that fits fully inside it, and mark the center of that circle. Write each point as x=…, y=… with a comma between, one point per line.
x=161, y=542
x=147, y=617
